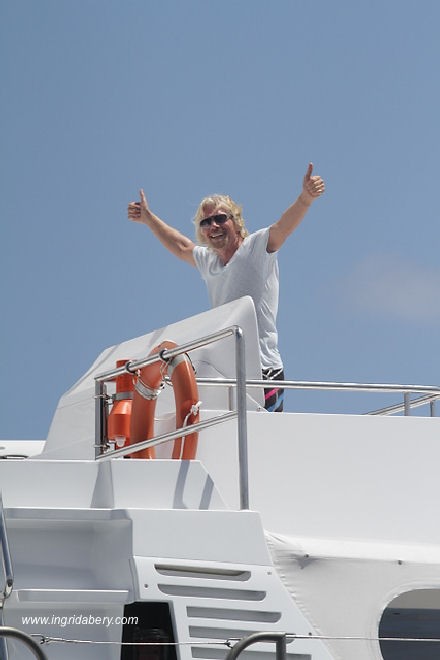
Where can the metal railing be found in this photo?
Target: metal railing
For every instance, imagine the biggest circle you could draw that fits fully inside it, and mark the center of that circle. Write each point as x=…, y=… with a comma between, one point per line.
x=102, y=448
x=9, y=577
x=431, y=393
x=6, y=558
x=279, y=638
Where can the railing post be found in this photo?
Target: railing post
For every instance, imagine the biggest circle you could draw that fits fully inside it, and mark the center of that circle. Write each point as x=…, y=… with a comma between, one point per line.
x=407, y=404
x=9, y=576
x=100, y=417
x=6, y=555
x=240, y=370
x=278, y=637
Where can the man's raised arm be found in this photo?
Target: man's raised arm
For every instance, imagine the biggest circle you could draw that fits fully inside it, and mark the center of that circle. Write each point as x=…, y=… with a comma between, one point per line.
x=313, y=187
x=178, y=244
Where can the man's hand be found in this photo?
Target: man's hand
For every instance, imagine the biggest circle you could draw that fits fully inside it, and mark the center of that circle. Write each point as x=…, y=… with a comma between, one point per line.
x=313, y=186
x=139, y=211
x=171, y=238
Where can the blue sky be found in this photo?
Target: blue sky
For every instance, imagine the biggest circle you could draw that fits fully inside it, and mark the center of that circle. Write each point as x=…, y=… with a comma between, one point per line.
x=190, y=97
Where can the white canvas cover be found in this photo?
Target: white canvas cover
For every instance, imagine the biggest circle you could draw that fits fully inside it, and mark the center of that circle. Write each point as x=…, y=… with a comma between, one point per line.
x=343, y=586
x=72, y=432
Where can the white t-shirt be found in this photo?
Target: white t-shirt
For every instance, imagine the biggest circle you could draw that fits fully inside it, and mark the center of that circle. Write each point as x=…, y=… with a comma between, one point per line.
x=252, y=271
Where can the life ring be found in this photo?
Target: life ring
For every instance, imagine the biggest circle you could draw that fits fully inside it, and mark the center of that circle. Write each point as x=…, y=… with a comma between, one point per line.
x=118, y=421
x=146, y=389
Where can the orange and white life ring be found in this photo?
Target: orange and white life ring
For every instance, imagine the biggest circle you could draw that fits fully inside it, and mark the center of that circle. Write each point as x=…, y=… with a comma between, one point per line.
x=147, y=387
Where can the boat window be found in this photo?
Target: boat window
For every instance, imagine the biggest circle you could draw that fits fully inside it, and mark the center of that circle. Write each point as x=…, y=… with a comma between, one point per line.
x=414, y=615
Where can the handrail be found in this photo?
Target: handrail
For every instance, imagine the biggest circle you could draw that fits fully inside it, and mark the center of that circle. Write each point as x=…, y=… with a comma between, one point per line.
x=324, y=385
x=132, y=366
x=165, y=437
x=6, y=631
x=413, y=403
x=6, y=557
x=432, y=392
x=278, y=637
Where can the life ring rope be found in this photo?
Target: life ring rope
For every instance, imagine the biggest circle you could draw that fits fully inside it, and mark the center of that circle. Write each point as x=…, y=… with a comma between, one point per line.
x=193, y=411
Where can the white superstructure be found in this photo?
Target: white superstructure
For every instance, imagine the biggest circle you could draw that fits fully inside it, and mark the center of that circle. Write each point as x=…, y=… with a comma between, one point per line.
x=340, y=544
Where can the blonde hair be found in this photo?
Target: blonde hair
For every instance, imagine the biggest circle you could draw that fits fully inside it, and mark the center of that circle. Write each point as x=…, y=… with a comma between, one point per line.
x=211, y=205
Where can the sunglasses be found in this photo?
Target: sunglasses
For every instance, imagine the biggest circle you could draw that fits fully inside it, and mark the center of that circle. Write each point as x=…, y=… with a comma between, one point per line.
x=219, y=218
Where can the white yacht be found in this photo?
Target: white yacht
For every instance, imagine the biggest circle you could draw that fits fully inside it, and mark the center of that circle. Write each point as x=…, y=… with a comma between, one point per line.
x=309, y=536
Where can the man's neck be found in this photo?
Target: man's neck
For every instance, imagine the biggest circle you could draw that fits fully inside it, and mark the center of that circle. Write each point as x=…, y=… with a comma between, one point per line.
x=225, y=254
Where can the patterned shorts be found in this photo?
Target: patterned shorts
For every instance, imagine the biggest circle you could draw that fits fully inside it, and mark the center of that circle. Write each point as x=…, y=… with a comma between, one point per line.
x=273, y=396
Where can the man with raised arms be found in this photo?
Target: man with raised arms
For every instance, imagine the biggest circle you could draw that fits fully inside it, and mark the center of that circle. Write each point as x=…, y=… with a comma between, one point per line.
x=234, y=263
